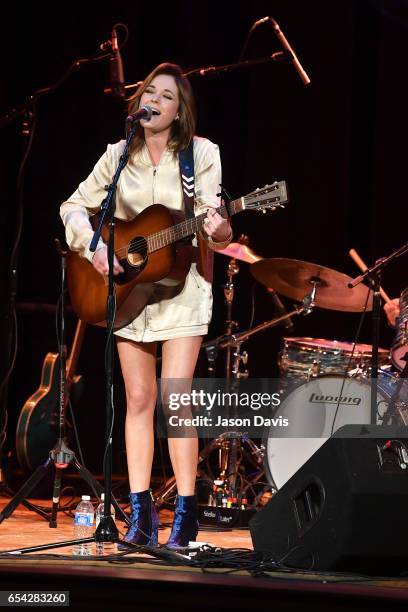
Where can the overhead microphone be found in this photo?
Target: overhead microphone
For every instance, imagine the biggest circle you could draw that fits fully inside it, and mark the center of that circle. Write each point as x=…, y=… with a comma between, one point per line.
x=292, y=55
x=117, y=80
x=259, y=22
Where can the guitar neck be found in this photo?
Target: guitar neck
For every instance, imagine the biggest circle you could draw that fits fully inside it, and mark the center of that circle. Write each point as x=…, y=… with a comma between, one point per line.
x=188, y=227
x=75, y=350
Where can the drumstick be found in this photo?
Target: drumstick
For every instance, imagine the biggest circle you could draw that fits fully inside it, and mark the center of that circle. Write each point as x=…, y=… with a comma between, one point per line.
x=357, y=259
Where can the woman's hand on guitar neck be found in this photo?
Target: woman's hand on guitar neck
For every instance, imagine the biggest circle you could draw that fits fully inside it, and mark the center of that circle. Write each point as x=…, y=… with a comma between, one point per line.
x=100, y=262
x=215, y=226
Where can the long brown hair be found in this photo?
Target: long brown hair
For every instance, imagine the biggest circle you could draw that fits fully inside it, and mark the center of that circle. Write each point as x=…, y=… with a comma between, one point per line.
x=183, y=129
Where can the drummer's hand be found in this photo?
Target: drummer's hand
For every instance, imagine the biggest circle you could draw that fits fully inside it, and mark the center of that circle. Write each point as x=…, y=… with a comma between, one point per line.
x=392, y=311
x=100, y=262
x=216, y=226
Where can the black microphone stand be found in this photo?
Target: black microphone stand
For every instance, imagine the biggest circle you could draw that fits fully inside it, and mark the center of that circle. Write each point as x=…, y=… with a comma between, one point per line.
x=107, y=530
x=373, y=275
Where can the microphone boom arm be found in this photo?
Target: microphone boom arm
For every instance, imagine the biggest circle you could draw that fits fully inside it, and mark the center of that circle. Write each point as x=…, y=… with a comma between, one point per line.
x=214, y=70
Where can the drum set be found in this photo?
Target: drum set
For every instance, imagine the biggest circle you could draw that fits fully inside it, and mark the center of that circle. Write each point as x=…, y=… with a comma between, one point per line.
x=324, y=384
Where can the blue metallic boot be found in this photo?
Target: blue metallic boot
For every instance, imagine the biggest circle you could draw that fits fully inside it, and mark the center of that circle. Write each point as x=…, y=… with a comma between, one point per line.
x=185, y=523
x=145, y=521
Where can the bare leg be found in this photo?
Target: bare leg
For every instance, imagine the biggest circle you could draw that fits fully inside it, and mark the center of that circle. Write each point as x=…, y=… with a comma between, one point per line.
x=138, y=363
x=179, y=358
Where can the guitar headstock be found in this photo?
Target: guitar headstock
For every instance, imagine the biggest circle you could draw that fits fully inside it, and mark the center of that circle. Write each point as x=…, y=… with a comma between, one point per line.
x=269, y=197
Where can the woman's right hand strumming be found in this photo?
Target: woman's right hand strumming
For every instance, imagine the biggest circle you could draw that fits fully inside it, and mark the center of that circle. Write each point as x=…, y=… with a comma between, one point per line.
x=100, y=262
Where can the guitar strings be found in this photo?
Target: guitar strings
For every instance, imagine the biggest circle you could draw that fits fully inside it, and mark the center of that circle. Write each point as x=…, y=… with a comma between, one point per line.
x=173, y=233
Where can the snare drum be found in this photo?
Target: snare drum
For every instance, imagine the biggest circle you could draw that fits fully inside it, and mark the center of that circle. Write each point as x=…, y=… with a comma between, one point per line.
x=314, y=413
x=302, y=358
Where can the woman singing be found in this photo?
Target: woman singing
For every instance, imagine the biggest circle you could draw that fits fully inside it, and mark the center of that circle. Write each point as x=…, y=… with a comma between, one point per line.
x=179, y=322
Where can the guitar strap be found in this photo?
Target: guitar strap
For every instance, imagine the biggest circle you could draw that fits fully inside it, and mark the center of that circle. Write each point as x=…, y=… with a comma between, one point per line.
x=204, y=256
x=186, y=163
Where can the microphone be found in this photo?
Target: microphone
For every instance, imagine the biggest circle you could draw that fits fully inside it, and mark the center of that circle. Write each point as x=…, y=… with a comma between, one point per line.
x=280, y=309
x=144, y=112
x=292, y=55
x=260, y=22
x=117, y=80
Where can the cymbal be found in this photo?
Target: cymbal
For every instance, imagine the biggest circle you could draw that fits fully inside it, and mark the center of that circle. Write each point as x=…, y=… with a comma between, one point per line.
x=241, y=252
x=293, y=279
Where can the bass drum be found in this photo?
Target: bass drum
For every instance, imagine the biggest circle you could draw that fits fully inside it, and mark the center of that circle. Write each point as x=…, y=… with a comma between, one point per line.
x=314, y=412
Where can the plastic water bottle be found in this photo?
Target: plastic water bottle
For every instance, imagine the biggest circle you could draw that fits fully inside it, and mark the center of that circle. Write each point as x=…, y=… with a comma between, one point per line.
x=104, y=547
x=83, y=525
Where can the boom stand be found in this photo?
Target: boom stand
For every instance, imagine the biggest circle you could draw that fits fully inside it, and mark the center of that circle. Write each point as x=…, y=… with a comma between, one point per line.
x=373, y=275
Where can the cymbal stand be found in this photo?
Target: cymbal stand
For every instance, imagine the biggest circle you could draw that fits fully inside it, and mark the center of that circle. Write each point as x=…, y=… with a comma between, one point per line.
x=229, y=292
x=232, y=443
x=235, y=340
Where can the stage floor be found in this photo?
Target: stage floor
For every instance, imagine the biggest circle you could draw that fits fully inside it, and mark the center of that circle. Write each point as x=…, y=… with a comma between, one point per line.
x=137, y=582
x=26, y=528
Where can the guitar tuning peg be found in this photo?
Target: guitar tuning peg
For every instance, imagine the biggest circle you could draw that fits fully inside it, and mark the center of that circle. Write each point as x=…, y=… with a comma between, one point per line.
x=264, y=210
x=257, y=189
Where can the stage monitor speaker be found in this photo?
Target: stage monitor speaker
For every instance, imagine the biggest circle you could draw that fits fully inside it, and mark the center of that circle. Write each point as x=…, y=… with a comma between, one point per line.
x=345, y=509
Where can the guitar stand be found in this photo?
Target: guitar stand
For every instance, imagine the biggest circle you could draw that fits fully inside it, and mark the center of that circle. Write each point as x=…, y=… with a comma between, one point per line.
x=60, y=456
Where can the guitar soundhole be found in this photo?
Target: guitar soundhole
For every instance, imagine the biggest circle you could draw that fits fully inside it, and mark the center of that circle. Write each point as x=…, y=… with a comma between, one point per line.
x=137, y=252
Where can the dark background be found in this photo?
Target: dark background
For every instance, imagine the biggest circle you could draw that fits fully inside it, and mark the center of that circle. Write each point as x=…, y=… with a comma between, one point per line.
x=340, y=144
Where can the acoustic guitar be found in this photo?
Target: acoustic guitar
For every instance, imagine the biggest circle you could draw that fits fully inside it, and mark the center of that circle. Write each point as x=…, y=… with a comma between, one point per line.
x=150, y=248
x=37, y=427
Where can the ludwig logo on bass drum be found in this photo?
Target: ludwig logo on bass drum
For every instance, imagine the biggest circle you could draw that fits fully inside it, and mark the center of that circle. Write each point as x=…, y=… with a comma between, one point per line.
x=334, y=399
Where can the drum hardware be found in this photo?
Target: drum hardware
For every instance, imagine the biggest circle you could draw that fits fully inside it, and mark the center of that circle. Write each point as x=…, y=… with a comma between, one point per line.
x=232, y=444
x=373, y=275
x=228, y=450
x=244, y=253
x=399, y=348
x=292, y=278
x=363, y=267
x=328, y=408
x=235, y=341
x=400, y=344
x=239, y=359
x=397, y=408
x=229, y=292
